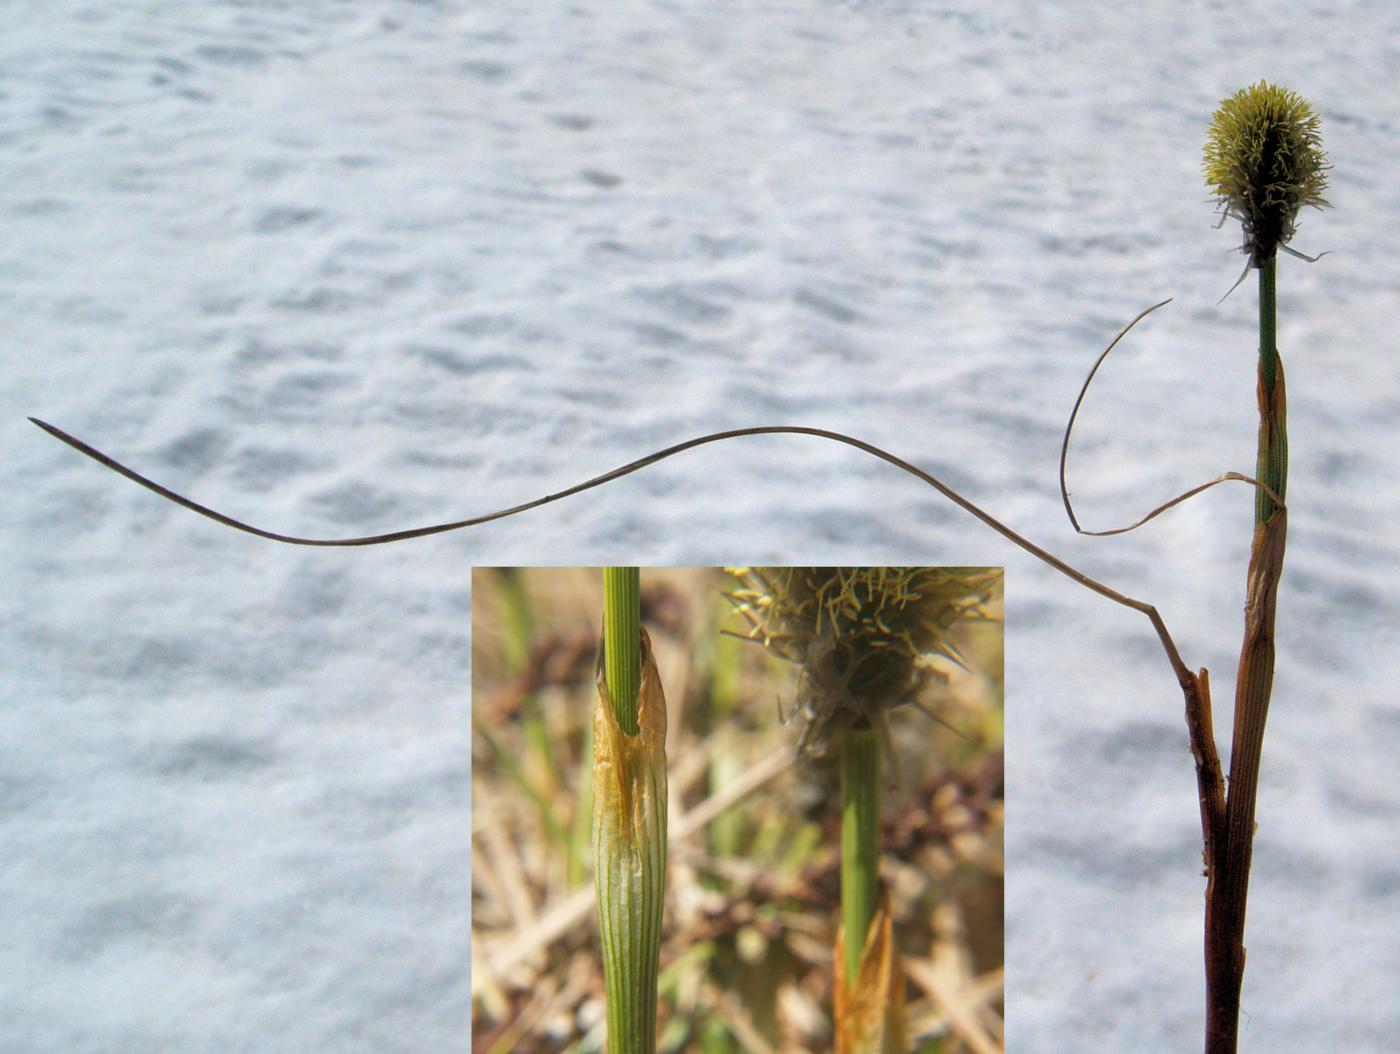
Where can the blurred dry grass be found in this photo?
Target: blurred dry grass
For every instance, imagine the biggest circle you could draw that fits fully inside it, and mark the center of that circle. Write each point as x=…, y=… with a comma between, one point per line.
x=752, y=888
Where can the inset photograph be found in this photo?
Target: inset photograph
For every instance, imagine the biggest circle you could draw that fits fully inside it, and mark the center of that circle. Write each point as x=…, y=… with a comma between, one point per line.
x=737, y=810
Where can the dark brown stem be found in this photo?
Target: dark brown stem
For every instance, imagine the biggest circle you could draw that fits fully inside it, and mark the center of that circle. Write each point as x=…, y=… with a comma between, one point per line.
x=1210, y=786
x=1227, y=894
x=1227, y=891
x=1210, y=782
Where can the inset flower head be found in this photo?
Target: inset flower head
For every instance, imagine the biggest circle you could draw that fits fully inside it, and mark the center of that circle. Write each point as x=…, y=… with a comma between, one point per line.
x=860, y=634
x=1264, y=161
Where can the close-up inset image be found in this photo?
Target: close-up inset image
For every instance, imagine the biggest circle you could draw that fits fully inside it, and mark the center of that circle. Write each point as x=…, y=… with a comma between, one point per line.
x=750, y=809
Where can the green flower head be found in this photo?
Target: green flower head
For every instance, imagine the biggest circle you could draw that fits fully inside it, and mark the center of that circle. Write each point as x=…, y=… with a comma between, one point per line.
x=860, y=634
x=1264, y=162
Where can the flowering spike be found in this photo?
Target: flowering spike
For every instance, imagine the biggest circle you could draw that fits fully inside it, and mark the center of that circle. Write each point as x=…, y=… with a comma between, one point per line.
x=1264, y=162
x=860, y=634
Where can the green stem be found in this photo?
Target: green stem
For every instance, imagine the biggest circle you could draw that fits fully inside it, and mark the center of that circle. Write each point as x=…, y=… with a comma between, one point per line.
x=1273, y=446
x=860, y=841
x=629, y=816
x=622, y=621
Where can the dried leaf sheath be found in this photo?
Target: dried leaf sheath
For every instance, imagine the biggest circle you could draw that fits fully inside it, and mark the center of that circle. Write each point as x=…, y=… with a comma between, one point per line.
x=1228, y=892
x=870, y=1013
x=629, y=850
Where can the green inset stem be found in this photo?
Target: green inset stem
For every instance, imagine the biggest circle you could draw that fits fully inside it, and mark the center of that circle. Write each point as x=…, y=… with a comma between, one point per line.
x=629, y=816
x=622, y=662
x=860, y=841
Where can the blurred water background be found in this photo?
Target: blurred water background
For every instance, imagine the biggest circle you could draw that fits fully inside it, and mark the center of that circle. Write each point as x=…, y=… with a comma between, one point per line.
x=342, y=268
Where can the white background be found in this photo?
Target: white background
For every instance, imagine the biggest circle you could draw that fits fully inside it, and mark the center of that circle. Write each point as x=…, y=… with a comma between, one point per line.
x=342, y=268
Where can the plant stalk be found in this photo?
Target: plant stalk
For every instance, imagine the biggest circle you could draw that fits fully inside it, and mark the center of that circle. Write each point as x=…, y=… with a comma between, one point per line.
x=860, y=841
x=1228, y=887
x=1272, y=467
x=629, y=816
x=622, y=621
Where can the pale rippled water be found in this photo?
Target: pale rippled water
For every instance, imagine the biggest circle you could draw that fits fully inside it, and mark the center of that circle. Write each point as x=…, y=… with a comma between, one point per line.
x=345, y=268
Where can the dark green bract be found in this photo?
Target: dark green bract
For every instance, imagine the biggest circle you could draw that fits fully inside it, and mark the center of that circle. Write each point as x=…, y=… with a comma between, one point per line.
x=1264, y=161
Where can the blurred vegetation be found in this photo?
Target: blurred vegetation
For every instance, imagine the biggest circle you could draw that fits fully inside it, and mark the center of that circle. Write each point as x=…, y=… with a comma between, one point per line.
x=752, y=889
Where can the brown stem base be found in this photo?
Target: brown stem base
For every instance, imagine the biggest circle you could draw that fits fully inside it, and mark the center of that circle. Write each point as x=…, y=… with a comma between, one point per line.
x=1227, y=821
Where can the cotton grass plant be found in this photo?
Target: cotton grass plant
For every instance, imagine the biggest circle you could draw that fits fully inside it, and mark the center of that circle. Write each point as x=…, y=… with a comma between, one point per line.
x=1264, y=163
